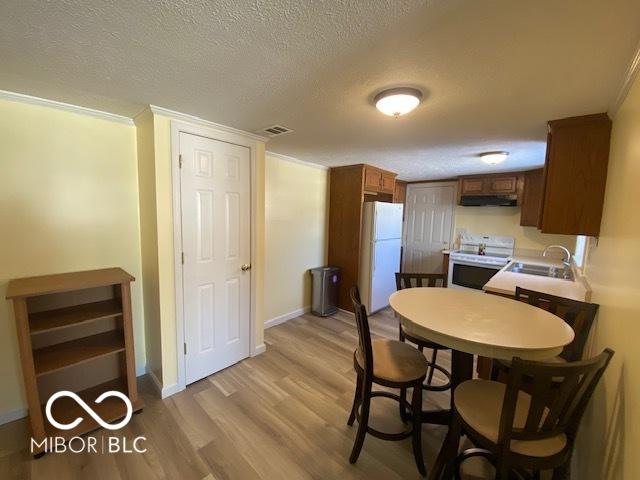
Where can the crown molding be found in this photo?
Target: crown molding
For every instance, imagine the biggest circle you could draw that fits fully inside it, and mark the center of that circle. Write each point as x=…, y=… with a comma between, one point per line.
x=202, y=122
x=287, y=158
x=22, y=98
x=629, y=77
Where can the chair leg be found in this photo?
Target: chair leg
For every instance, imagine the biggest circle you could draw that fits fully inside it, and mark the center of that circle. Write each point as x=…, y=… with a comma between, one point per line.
x=403, y=412
x=563, y=472
x=434, y=356
x=502, y=471
x=400, y=333
x=364, y=422
x=451, y=444
x=416, y=412
x=356, y=401
x=495, y=371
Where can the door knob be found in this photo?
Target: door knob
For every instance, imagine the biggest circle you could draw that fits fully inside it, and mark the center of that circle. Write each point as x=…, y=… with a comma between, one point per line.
x=245, y=267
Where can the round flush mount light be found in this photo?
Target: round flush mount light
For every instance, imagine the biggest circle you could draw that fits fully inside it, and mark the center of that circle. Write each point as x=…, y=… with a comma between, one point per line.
x=493, y=158
x=398, y=101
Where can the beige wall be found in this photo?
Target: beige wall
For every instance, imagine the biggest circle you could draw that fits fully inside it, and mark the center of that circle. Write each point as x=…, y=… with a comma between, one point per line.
x=610, y=436
x=68, y=201
x=295, y=234
x=505, y=221
x=149, y=241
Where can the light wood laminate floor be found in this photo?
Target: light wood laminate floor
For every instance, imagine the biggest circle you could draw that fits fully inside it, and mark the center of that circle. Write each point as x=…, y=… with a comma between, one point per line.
x=280, y=415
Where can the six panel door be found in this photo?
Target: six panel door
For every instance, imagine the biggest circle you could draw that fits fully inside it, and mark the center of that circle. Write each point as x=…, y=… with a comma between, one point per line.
x=215, y=193
x=427, y=227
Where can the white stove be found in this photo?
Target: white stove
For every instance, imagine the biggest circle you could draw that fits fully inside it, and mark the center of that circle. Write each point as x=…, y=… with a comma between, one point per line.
x=479, y=258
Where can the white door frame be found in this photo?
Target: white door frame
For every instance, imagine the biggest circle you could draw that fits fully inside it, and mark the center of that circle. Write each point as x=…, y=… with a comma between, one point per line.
x=178, y=127
x=455, y=204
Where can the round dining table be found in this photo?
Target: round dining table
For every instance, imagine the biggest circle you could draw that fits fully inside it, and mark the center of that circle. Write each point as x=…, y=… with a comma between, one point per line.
x=477, y=323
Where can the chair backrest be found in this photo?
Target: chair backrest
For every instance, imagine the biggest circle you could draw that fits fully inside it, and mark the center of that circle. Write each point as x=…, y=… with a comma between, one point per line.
x=364, y=334
x=411, y=280
x=559, y=395
x=579, y=316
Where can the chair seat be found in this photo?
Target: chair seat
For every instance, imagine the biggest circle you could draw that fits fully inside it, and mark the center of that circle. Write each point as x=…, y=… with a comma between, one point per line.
x=479, y=403
x=395, y=361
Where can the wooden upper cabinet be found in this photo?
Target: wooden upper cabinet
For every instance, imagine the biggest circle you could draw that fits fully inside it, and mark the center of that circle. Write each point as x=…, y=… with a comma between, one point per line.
x=501, y=185
x=531, y=198
x=378, y=181
x=400, y=192
x=388, y=183
x=575, y=175
x=472, y=186
x=495, y=184
x=372, y=179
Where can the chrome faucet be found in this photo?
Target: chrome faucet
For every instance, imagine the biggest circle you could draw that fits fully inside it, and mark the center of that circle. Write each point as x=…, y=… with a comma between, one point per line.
x=567, y=262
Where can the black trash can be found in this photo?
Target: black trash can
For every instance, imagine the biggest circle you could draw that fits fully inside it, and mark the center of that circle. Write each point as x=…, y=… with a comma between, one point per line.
x=324, y=290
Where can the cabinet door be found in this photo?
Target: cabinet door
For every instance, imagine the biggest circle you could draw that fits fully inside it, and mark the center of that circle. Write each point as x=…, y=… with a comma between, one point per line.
x=532, y=198
x=576, y=175
x=400, y=192
x=388, y=183
x=472, y=186
x=372, y=179
x=502, y=185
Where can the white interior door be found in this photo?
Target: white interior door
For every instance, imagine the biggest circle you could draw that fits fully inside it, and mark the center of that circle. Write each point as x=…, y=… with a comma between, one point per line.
x=428, y=227
x=215, y=195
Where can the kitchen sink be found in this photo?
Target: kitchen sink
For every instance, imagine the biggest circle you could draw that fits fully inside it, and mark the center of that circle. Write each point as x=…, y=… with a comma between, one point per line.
x=563, y=273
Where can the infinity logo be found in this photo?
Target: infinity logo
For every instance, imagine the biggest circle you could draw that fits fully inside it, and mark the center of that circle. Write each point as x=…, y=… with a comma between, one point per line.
x=89, y=410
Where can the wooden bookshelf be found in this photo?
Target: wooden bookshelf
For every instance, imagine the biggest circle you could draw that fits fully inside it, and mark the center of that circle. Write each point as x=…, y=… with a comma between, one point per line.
x=51, y=320
x=66, y=410
x=64, y=355
x=69, y=337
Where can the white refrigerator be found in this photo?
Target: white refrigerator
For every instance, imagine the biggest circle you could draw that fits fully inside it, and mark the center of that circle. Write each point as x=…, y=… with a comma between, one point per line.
x=380, y=253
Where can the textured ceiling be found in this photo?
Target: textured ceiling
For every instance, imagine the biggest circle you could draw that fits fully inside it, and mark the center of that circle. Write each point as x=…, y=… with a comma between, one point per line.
x=493, y=71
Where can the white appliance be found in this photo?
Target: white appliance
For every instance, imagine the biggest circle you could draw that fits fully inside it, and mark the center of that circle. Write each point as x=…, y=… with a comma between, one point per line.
x=380, y=253
x=479, y=258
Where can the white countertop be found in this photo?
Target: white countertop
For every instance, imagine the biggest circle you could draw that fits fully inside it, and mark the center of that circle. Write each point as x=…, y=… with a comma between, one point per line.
x=506, y=282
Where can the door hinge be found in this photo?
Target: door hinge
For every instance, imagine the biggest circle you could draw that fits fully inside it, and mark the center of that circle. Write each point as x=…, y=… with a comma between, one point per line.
x=180, y=161
x=185, y=347
x=183, y=258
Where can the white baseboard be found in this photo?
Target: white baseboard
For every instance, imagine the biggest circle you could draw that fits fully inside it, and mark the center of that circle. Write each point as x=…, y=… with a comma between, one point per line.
x=164, y=392
x=170, y=390
x=13, y=415
x=272, y=322
x=156, y=383
x=259, y=349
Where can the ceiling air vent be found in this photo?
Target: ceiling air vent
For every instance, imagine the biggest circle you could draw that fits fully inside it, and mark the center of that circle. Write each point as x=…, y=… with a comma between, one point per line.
x=275, y=130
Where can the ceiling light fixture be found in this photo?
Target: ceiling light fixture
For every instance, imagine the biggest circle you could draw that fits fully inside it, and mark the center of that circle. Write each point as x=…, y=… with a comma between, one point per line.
x=493, y=158
x=398, y=101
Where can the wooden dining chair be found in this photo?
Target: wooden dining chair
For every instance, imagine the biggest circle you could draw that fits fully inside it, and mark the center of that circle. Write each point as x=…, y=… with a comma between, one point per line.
x=519, y=431
x=578, y=315
x=389, y=363
x=412, y=280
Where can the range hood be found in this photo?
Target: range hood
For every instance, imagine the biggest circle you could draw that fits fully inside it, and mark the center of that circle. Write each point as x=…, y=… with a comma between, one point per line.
x=489, y=200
